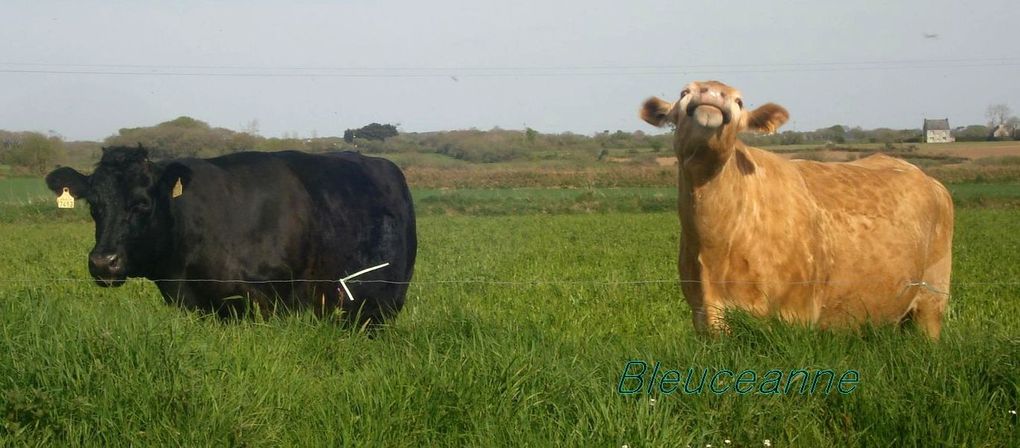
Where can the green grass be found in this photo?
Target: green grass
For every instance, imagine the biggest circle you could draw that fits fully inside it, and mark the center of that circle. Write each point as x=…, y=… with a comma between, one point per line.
x=998, y=161
x=16, y=193
x=978, y=194
x=632, y=200
x=20, y=190
x=423, y=159
x=483, y=364
x=518, y=201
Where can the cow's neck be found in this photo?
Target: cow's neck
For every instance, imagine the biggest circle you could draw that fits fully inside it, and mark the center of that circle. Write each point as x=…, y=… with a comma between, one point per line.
x=164, y=254
x=713, y=188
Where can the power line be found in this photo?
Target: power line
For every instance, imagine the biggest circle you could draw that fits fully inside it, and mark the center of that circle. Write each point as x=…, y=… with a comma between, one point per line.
x=524, y=282
x=509, y=68
x=236, y=71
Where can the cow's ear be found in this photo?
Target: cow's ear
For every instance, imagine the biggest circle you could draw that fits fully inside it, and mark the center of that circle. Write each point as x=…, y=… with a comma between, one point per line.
x=174, y=180
x=66, y=177
x=767, y=118
x=657, y=111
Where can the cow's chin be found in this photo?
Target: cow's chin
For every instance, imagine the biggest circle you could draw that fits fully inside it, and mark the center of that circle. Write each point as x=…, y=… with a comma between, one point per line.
x=109, y=282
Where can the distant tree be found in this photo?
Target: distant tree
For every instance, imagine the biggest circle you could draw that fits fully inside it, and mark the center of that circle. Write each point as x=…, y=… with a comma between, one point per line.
x=185, y=122
x=376, y=131
x=251, y=127
x=971, y=133
x=835, y=134
x=791, y=138
x=242, y=141
x=530, y=134
x=181, y=137
x=372, y=131
x=655, y=144
x=8, y=141
x=31, y=151
x=856, y=134
x=998, y=114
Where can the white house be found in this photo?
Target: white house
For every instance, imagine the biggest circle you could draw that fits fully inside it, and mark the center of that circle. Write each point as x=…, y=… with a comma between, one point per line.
x=937, y=131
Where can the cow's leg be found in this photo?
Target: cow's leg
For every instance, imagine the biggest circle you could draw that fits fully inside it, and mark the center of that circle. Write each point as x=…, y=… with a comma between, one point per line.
x=933, y=297
x=181, y=294
x=931, y=307
x=708, y=317
x=707, y=311
x=700, y=318
x=716, y=319
x=375, y=305
x=693, y=294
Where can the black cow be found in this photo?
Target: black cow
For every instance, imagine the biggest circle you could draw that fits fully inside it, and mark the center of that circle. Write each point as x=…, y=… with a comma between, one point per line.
x=275, y=230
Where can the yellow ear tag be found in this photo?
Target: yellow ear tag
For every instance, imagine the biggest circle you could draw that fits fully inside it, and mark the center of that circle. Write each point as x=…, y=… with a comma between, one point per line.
x=65, y=200
x=178, y=188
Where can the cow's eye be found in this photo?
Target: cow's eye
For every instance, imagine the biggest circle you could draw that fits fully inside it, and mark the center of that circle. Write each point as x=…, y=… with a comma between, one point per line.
x=684, y=93
x=740, y=103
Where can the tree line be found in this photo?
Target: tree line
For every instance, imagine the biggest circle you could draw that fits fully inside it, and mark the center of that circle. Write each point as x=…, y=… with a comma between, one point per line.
x=31, y=152
x=35, y=153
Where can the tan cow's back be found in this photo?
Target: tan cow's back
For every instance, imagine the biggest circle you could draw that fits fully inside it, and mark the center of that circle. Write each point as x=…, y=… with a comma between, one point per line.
x=835, y=243
x=890, y=229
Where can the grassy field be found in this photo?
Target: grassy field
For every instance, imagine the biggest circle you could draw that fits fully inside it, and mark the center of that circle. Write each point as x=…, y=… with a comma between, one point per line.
x=20, y=196
x=534, y=360
x=20, y=190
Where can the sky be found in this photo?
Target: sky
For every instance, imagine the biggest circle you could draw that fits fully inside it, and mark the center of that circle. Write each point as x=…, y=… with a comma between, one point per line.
x=85, y=69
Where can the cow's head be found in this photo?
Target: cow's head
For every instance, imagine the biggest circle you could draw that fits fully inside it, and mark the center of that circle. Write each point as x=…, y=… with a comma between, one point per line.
x=712, y=112
x=129, y=198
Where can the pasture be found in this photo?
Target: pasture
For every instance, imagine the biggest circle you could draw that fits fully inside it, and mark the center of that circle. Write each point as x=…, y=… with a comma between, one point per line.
x=525, y=307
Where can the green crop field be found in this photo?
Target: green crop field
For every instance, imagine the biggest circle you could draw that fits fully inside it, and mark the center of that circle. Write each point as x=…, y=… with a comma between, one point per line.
x=20, y=190
x=521, y=319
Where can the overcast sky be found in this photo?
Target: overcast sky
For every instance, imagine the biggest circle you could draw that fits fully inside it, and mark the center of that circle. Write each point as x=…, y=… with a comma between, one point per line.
x=87, y=68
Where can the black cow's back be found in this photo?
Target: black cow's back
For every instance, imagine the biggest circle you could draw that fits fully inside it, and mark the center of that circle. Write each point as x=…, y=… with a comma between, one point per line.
x=289, y=225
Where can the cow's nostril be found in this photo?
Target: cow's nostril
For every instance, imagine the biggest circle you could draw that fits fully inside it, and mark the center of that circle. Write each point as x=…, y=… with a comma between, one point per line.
x=105, y=262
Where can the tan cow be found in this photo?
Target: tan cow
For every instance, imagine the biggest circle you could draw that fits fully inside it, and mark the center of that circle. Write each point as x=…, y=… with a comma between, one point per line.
x=827, y=244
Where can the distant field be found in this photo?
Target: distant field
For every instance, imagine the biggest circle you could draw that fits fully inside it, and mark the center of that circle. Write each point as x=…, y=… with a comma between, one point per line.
x=19, y=190
x=965, y=149
x=509, y=201
x=973, y=150
x=515, y=201
x=631, y=200
x=644, y=167
x=981, y=194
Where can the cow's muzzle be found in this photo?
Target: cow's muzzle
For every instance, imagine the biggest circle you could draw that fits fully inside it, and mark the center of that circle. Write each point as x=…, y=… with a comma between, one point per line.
x=710, y=109
x=107, y=269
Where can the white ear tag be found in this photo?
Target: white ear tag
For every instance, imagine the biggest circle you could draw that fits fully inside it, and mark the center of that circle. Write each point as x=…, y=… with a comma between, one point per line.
x=65, y=200
x=178, y=188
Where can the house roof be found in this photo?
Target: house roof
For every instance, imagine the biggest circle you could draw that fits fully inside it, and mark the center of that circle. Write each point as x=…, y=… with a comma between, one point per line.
x=940, y=124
